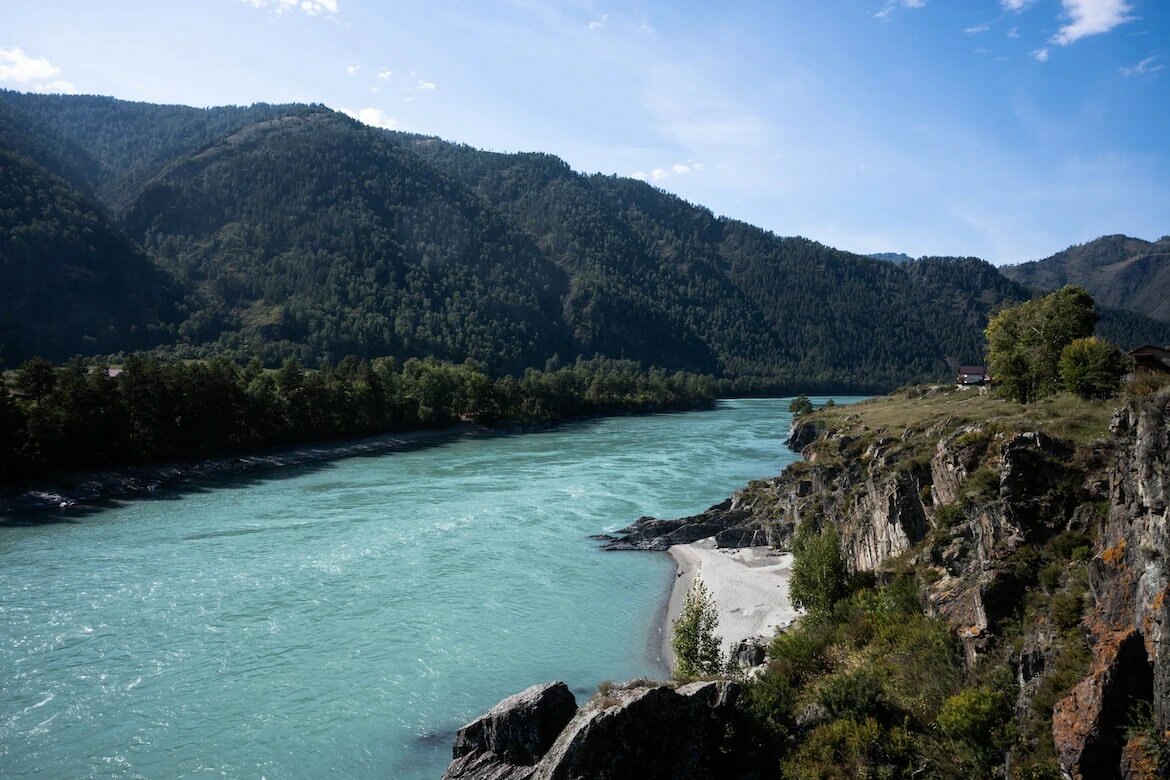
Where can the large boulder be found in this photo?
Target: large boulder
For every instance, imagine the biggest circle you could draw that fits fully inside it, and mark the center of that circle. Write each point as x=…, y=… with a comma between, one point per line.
x=505, y=743
x=640, y=731
x=646, y=733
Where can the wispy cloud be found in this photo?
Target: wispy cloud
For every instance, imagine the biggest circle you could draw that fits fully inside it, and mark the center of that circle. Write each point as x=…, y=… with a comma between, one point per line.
x=1040, y=55
x=311, y=7
x=1091, y=17
x=33, y=73
x=426, y=86
x=661, y=174
x=884, y=14
x=375, y=117
x=599, y=22
x=384, y=75
x=352, y=69
x=979, y=28
x=1014, y=32
x=1015, y=6
x=1145, y=66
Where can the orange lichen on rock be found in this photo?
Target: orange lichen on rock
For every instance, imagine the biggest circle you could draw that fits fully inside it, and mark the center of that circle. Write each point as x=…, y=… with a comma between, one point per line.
x=1115, y=556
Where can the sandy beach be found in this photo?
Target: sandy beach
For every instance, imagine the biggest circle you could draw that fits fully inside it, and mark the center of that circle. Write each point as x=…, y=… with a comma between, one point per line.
x=749, y=586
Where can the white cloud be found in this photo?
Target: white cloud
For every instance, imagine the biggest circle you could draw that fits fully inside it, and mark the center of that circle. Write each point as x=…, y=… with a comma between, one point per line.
x=428, y=86
x=375, y=117
x=599, y=23
x=1040, y=55
x=19, y=68
x=352, y=69
x=373, y=90
x=409, y=99
x=66, y=88
x=31, y=73
x=1014, y=32
x=1145, y=66
x=1015, y=6
x=384, y=75
x=978, y=29
x=310, y=7
x=660, y=174
x=1091, y=17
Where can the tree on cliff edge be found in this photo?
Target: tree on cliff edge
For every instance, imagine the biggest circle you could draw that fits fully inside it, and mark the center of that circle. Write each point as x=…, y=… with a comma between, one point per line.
x=696, y=646
x=1025, y=342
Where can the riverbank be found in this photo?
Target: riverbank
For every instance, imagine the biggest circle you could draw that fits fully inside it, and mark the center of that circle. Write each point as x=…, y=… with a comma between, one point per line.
x=749, y=586
x=90, y=487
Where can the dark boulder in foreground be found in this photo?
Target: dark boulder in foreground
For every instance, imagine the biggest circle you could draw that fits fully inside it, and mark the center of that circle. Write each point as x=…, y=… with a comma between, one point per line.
x=505, y=743
x=641, y=731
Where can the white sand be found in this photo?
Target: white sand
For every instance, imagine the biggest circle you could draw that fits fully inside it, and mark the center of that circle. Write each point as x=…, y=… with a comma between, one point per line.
x=749, y=586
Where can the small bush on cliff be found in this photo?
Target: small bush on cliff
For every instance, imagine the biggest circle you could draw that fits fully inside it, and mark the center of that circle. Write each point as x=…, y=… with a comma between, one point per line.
x=800, y=405
x=696, y=646
x=819, y=575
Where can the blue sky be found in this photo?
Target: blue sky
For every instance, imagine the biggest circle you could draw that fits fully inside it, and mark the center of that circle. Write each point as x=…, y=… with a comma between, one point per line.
x=1006, y=129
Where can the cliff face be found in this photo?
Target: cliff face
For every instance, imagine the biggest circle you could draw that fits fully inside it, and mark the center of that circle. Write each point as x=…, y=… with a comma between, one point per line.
x=1129, y=625
x=1038, y=534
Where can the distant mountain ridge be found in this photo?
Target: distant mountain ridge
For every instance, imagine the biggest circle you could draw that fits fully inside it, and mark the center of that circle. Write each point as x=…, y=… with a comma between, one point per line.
x=295, y=231
x=1118, y=271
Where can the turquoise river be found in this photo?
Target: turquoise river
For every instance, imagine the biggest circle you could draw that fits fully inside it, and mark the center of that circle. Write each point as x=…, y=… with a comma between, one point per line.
x=345, y=618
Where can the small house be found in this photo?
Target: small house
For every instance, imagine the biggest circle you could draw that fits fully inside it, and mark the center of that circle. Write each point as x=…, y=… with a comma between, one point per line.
x=1147, y=357
x=972, y=375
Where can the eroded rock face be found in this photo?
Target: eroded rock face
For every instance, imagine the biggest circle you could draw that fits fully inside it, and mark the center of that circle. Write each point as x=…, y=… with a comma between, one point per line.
x=641, y=732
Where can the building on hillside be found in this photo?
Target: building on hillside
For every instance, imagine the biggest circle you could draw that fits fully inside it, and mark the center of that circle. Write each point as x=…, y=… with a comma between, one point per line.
x=1147, y=357
x=972, y=376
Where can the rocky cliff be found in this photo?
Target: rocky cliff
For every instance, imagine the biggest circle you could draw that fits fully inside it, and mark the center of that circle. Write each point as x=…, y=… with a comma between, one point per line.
x=1037, y=534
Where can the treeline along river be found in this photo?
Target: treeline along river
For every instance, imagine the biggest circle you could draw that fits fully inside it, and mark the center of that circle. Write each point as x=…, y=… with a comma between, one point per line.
x=343, y=619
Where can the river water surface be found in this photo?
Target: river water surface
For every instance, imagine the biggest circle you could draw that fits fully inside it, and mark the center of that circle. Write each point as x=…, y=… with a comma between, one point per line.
x=343, y=619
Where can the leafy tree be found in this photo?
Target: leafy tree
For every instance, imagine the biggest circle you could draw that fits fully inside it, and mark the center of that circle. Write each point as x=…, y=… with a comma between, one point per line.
x=696, y=646
x=1025, y=341
x=1092, y=367
x=36, y=378
x=819, y=575
x=800, y=405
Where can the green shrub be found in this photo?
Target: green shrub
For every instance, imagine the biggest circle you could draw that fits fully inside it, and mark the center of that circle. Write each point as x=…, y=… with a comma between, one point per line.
x=1067, y=609
x=948, y=516
x=856, y=695
x=974, y=715
x=1092, y=368
x=819, y=575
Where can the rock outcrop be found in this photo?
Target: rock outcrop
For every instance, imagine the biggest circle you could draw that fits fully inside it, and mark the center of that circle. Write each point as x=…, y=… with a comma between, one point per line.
x=640, y=732
x=726, y=521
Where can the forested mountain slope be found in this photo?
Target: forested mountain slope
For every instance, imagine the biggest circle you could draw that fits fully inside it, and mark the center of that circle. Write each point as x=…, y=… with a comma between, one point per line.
x=1118, y=271
x=294, y=231
x=73, y=282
